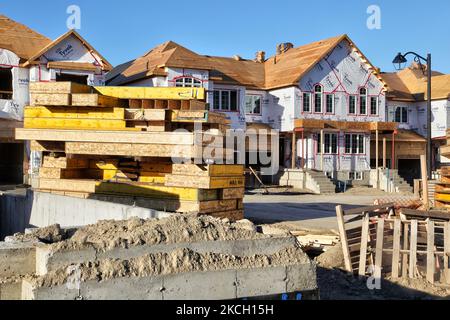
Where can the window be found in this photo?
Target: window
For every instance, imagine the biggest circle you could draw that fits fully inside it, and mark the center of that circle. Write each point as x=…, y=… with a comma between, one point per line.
x=253, y=104
x=352, y=104
x=329, y=103
x=354, y=143
x=188, y=82
x=401, y=114
x=356, y=175
x=330, y=145
x=306, y=102
x=318, y=99
x=362, y=101
x=225, y=100
x=373, y=106
x=6, y=87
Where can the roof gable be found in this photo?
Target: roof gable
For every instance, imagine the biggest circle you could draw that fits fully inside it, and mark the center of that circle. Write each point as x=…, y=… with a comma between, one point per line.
x=20, y=39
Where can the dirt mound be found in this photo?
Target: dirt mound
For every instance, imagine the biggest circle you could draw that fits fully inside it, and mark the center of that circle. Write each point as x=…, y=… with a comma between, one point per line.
x=50, y=234
x=106, y=235
x=332, y=258
x=177, y=261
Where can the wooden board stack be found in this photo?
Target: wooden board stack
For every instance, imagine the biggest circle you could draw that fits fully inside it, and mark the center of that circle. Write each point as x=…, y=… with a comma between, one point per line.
x=442, y=189
x=120, y=144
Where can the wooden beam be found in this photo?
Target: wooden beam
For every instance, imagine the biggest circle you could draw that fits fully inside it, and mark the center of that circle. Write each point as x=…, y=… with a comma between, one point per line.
x=75, y=124
x=364, y=242
x=322, y=144
x=430, y=251
x=343, y=236
x=204, y=182
x=294, y=150
x=384, y=154
x=96, y=100
x=160, y=93
x=396, y=248
x=74, y=113
x=413, y=250
x=423, y=170
x=54, y=99
x=59, y=87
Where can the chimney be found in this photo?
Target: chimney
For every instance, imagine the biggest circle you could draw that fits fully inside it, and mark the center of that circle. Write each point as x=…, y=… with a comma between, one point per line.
x=283, y=47
x=260, y=57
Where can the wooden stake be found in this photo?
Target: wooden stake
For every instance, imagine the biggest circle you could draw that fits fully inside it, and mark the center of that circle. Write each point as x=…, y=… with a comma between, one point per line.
x=396, y=248
x=430, y=251
x=343, y=236
x=363, y=248
x=446, y=245
x=413, y=250
x=379, y=249
x=423, y=169
x=405, y=247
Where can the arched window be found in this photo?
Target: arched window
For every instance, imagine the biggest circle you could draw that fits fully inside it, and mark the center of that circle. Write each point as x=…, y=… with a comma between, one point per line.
x=318, y=98
x=188, y=82
x=363, y=101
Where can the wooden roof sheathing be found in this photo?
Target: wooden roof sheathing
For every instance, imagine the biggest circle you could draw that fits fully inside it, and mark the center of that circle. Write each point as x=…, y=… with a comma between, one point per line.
x=20, y=39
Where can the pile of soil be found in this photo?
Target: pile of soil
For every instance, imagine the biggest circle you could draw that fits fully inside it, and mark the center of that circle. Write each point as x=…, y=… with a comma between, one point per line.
x=50, y=234
x=177, y=261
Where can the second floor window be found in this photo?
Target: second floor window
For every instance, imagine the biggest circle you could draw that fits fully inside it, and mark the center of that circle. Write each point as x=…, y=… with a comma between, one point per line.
x=253, y=104
x=225, y=100
x=362, y=101
x=188, y=82
x=373, y=106
x=352, y=104
x=306, y=102
x=401, y=114
x=329, y=107
x=318, y=99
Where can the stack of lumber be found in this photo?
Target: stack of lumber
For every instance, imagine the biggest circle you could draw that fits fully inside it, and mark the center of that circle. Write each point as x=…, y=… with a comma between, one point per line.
x=119, y=142
x=442, y=189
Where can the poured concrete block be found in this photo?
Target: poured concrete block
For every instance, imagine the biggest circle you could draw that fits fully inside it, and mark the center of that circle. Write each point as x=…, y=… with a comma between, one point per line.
x=261, y=282
x=61, y=292
x=210, y=285
x=11, y=290
x=47, y=259
x=301, y=277
x=17, y=259
x=132, y=288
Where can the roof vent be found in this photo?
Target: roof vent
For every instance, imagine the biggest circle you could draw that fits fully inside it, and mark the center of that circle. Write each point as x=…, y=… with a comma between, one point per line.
x=283, y=47
x=237, y=57
x=260, y=57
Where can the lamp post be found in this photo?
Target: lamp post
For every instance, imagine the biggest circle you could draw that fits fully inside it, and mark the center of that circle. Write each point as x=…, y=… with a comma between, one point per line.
x=400, y=59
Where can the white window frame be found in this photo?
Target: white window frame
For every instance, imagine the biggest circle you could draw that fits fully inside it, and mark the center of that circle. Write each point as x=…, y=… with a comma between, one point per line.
x=356, y=175
x=332, y=103
x=358, y=138
x=355, y=106
x=183, y=84
x=401, y=108
x=360, y=101
x=253, y=98
x=318, y=94
x=306, y=97
x=321, y=144
x=221, y=107
x=376, y=107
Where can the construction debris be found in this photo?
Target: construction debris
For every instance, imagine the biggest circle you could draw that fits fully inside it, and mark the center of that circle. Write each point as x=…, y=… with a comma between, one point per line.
x=183, y=256
x=127, y=141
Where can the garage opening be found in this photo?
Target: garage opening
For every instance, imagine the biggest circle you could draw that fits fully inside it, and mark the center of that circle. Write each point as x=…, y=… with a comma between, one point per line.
x=6, y=85
x=62, y=77
x=11, y=163
x=409, y=169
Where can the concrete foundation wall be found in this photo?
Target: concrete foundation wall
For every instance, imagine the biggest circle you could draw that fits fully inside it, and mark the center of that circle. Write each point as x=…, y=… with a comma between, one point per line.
x=38, y=209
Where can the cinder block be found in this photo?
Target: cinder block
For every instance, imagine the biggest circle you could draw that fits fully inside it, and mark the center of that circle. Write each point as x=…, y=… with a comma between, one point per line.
x=17, y=259
x=261, y=282
x=211, y=285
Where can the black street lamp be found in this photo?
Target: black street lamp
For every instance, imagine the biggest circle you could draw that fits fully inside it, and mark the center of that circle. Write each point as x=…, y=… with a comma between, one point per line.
x=401, y=61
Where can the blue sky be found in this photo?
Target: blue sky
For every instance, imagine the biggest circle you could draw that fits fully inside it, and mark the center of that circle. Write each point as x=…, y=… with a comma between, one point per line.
x=123, y=30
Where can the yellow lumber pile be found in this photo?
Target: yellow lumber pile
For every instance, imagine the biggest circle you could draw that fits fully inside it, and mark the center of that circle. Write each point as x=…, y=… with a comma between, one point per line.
x=442, y=189
x=118, y=143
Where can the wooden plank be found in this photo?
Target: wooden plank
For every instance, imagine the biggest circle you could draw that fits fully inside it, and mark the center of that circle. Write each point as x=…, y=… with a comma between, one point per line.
x=233, y=215
x=214, y=170
x=57, y=173
x=145, y=114
x=231, y=193
x=205, y=182
x=396, y=248
x=441, y=215
x=59, y=87
x=379, y=249
x=423, y=170
x=155, y=167
x=430, y=251
x=343, y=236
x=363, y=248
x=413, y=250
x=65, y=163
x=130, y=149
x=50, y=146
x=45, y=99
x=75, y=124
x=383, y=207
x=74, y=113
x=167, y=138
x=96, y=100
x=163, y=93
x=405, y=247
